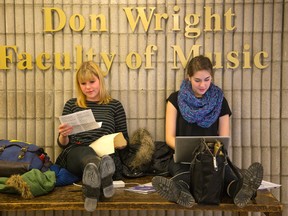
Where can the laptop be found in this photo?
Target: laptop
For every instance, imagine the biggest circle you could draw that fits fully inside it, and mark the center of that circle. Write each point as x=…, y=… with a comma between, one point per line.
x=186, y=145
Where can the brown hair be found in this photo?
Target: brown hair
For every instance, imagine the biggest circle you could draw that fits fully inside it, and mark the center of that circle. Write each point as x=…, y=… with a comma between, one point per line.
x=199, y=63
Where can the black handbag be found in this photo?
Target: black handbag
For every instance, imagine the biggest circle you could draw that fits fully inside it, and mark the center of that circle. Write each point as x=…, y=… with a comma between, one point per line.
x=207, y=173
x=17, y=157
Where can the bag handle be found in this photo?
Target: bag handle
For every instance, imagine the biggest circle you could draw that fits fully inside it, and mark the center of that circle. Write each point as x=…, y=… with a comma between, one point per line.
x=23, y=149
x=213, y=156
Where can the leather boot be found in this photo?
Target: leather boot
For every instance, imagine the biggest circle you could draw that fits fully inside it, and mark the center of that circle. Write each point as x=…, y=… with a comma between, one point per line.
x=244, y=189
x=173, y=190
x=107, y=170
x=91, y=181
x=97, y=179
x=91, y=186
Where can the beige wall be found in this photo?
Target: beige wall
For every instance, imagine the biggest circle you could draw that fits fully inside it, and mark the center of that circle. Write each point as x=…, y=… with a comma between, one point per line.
x=32, y=99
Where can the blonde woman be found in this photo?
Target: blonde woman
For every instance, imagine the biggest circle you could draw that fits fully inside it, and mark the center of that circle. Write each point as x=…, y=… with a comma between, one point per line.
x=77, y=157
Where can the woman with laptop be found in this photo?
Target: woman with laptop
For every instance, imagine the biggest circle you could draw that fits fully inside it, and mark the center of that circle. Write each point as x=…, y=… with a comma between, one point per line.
x=199, y=108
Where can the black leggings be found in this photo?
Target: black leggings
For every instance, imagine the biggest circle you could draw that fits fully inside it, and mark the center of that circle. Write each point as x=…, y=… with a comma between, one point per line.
x=78, y=157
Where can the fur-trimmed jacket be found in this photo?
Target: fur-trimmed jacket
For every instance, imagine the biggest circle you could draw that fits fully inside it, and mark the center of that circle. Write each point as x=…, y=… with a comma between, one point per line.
x=144, y=156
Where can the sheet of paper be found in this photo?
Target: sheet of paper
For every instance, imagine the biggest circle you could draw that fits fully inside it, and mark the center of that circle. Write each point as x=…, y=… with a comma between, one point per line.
x=81, y=121
x=268, y=185
x=106, y=144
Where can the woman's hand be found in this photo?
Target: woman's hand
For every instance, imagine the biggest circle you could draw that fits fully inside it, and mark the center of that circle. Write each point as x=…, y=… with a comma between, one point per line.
x=120, y=147
x=64, y=131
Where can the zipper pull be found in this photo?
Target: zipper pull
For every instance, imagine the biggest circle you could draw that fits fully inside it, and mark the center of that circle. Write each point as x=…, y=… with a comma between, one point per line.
x=215, y=163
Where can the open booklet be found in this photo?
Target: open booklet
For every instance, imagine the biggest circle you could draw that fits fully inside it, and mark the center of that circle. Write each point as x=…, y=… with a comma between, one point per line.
x=81, y=121
x=106, y=144
x=142, y=189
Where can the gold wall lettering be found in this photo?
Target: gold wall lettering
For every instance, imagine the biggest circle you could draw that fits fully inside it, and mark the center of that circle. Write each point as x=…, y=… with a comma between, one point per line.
x=55, y=21
x=191, y=31
x=62, y=61
x=57, y=24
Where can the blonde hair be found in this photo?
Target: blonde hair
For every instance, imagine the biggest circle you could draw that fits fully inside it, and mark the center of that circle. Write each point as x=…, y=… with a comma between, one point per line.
x=85, y=73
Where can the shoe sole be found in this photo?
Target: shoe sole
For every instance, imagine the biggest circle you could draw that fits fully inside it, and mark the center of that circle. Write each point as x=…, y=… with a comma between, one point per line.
x=167, y=189
x=107, y=170
x=91, y=186
x=252, y=179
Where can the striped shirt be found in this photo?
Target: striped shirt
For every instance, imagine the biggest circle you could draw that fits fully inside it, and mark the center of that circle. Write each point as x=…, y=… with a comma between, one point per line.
x=112, y=116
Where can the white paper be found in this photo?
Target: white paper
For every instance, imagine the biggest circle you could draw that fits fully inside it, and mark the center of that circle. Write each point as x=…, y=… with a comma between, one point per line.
x=106, y=144
x=81, y=121
x=268, y=185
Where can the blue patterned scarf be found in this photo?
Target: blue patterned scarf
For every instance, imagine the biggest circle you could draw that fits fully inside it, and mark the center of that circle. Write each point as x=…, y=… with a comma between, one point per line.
x=202, y=111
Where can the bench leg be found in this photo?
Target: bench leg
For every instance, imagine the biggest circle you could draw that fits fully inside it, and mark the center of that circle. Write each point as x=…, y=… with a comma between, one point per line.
x=273, y=213
x=242, y=213
x=265, y=213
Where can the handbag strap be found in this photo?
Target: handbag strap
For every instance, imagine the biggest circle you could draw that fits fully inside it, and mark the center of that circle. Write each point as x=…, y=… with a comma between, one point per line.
x=217, y=150
x=213, y=156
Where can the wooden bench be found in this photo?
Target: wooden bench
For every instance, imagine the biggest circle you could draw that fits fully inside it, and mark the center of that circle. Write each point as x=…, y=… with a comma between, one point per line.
x=70, y=198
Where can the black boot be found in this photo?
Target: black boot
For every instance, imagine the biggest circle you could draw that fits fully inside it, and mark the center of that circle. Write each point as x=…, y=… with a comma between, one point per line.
x=97, y=179
x=245, y=188
x=173, y=190
x=107, y=170
x=91, y=186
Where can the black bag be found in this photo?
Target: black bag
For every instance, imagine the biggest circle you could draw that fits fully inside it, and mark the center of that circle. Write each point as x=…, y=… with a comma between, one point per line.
x=17, y=157
x=160, y=159
x=158, y=165
x=207, y=173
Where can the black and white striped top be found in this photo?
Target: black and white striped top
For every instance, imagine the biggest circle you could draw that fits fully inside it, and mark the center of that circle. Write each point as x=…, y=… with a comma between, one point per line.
x=112, y=116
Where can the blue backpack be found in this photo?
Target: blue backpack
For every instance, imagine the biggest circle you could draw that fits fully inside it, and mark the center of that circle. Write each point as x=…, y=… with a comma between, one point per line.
x=18, y=157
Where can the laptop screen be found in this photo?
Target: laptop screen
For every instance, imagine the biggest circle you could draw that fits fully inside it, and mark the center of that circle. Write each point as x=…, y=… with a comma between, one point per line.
x=186, y=145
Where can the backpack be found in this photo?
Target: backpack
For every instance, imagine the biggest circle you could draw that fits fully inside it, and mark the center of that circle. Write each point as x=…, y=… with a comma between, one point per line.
x=18, y=157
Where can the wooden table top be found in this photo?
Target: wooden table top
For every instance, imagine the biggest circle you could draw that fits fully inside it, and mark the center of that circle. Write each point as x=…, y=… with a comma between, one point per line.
x=71, y=198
